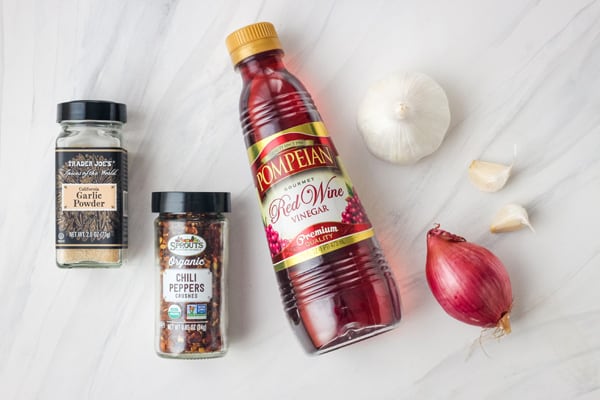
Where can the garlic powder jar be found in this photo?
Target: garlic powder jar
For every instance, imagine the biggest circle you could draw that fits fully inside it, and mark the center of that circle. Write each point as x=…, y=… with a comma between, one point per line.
x=91, y=185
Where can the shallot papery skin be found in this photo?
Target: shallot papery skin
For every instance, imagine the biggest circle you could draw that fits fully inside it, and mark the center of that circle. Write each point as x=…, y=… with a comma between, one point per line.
x=470, y=283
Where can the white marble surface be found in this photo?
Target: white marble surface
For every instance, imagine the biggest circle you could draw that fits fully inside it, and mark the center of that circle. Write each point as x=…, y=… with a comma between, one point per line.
x=516, y=72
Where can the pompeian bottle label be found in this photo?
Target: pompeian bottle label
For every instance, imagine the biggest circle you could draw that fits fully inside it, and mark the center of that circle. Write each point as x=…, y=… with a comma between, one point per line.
x=309, y=206
x=91, y=197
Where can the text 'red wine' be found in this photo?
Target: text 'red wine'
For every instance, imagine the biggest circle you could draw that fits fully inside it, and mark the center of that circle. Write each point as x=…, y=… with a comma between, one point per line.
x=335, y=283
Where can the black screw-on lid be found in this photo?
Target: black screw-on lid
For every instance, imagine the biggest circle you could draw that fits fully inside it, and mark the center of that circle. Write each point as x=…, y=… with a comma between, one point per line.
x=91, y=110
x=177, y=202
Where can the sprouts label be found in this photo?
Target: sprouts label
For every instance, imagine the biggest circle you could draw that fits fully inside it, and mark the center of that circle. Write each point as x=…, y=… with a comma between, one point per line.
x=309, y=205
x=187, y=285
x=186, y=245
x=91, y=195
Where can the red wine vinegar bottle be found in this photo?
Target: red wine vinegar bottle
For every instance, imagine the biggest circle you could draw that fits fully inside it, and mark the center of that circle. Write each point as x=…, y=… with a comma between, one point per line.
x=335, y=283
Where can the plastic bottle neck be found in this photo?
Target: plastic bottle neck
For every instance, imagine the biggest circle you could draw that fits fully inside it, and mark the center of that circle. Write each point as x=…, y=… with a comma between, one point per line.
x=261, y=64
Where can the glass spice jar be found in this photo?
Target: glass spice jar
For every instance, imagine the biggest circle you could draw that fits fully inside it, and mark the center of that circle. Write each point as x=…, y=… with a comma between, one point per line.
x=191, y=257
x=91, y=185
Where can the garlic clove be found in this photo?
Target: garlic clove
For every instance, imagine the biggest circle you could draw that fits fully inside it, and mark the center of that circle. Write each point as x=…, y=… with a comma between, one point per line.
x=488, y=176
x=510, y=218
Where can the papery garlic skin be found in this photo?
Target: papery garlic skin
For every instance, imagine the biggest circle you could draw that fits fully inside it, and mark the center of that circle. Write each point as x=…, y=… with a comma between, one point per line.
x=404, y=117
x=510, y=218
x=488, y=176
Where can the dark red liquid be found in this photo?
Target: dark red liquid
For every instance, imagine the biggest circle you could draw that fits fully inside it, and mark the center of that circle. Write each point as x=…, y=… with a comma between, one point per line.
x=339, y=297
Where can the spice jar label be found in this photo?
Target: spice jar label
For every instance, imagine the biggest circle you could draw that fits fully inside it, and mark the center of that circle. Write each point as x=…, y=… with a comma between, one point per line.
x=187, y=285
x=91, y=194
x=308, y=203
x=89, y=197
x=186, y=245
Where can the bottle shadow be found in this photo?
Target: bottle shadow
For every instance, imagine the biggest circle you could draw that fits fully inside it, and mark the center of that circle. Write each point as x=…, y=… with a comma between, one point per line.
x=240, y=273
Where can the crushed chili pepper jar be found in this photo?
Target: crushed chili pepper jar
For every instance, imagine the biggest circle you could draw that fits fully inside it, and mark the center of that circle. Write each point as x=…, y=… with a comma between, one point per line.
x=191, y=257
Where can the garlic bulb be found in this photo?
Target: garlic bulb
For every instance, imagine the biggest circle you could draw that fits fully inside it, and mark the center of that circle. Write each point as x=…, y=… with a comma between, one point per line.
x=488, y=176
x=510, y=218
x=404, y=117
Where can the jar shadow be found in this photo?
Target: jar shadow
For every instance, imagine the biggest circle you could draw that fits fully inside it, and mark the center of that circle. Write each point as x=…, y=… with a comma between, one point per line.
x=240, y=274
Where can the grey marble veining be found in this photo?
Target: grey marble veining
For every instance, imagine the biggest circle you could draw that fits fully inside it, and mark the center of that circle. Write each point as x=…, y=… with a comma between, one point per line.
x=516, y=73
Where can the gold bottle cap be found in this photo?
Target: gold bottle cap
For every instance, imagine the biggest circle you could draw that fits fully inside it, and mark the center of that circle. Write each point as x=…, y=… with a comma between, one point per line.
x=252, y=39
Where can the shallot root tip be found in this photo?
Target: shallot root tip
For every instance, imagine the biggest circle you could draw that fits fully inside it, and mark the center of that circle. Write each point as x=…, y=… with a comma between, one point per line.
x=504, y=324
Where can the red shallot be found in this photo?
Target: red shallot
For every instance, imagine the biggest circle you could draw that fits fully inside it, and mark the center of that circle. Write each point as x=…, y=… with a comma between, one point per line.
x=470, y=283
